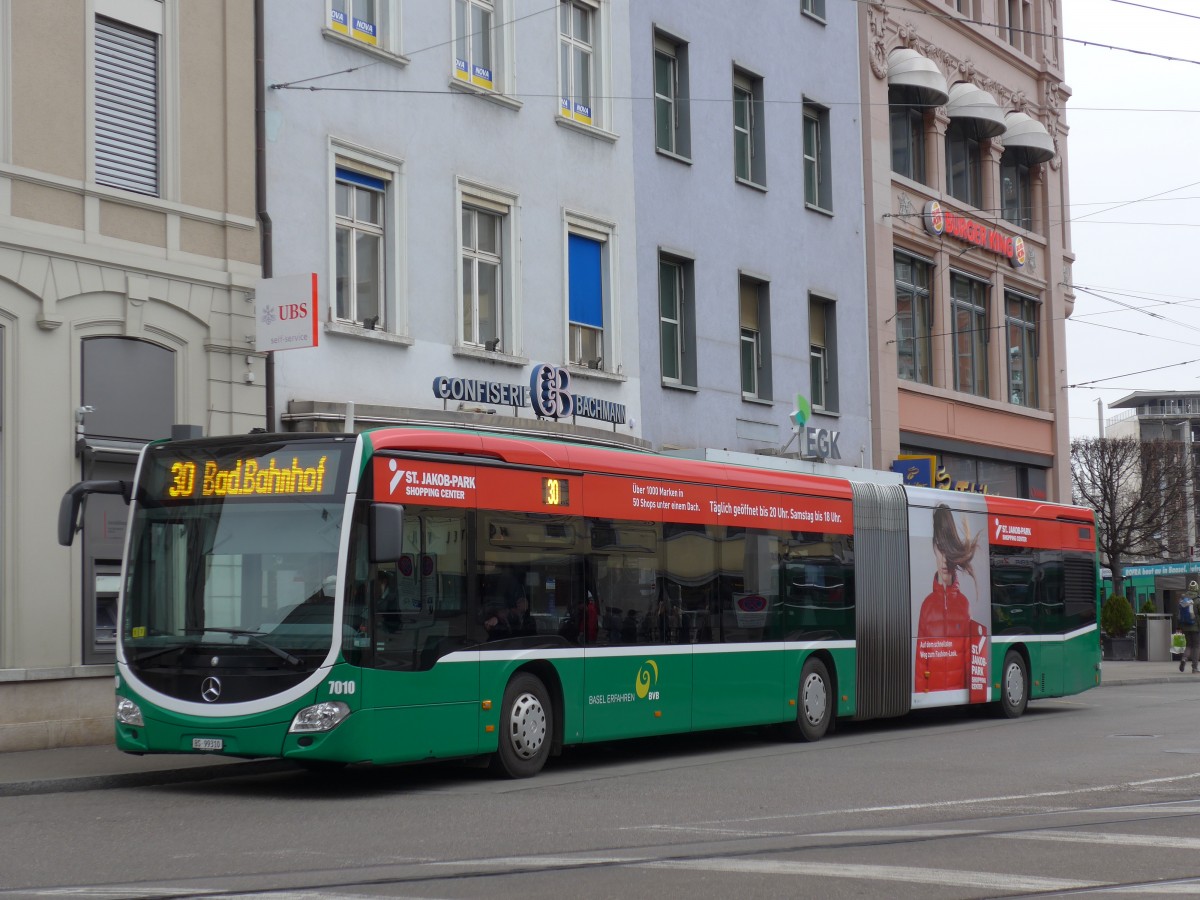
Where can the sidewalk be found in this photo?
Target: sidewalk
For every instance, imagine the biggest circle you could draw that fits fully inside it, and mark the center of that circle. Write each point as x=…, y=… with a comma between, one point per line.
x=103, y=766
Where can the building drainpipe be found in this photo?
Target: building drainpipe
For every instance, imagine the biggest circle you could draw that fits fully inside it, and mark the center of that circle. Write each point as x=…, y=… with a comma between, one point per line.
x=260, y=180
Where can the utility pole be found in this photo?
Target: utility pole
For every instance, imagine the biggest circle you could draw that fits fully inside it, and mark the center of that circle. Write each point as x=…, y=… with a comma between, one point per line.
x=1100, y=415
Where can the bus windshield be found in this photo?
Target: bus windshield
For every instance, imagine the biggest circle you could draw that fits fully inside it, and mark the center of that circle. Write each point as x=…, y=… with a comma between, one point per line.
x=224, y=557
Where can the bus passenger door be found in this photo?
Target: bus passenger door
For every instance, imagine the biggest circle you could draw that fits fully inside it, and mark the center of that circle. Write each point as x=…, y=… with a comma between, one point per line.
x=421, y=674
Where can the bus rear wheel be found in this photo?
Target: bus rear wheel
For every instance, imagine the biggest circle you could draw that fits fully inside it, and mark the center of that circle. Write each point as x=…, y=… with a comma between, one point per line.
x=526, y=726
x=814, y=702
x=1014, y=685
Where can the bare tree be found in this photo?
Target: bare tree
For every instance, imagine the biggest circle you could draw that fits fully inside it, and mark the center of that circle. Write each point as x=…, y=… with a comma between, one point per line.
x=1139, y=492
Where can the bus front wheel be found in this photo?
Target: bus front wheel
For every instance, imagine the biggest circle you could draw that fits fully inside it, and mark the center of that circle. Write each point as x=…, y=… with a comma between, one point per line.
x=1014, y=685
x=814, y=702
x=526, y=726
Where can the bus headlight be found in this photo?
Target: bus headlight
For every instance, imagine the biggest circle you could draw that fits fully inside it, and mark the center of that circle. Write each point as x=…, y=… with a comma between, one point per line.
x=322, y=717
x=128, y=712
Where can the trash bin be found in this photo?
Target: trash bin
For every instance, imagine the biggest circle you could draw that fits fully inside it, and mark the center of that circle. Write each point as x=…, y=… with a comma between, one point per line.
x=1158, y=637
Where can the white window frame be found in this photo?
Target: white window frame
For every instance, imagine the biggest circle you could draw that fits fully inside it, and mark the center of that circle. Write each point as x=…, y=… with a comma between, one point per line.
x=683, y=320
x=748, y=91
x=605, y=233
x=818, y=189
x=823, y=354
x=814, y=9
x=676, y=51
x=499, y=39
x=393, y=300
x=387, y=28
x=755, y=339
x=599, y=70
x=479, y=196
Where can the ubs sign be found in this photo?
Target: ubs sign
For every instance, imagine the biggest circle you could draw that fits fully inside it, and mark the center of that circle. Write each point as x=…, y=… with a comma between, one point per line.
x=548, y=394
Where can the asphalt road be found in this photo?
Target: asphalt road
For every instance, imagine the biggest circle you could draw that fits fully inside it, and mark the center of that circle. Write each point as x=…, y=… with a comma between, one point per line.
x=1093, y=794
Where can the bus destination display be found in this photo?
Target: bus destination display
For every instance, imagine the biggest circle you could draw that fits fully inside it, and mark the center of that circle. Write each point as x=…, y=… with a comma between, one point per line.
x=289, y=472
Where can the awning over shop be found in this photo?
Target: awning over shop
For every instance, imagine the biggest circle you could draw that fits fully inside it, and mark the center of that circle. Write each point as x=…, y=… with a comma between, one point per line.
x=1028, y=137
x=917, y=74
x=974, y=104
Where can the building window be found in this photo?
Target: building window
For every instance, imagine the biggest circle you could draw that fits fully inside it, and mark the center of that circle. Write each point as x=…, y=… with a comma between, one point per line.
x=676, y=320
x=822, y=343
x=360, y=210
x=367, y=21
x=754, y=319
x=482, y=277
x=589, y=304
x=818, y=189
x=671, y=109
x=963, y=180
x=474, y=42
x=814, y=8
x=1017, y=22
x=1021, y=324
x=914, y=319
x=1016, y=194
x=749, y=162
x=968, y=313
x=127, y=106
x=579, y=61
x=908, y=135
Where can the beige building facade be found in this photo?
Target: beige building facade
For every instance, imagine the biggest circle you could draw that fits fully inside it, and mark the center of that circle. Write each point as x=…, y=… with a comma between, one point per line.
x=129, y=251
x=968, y=248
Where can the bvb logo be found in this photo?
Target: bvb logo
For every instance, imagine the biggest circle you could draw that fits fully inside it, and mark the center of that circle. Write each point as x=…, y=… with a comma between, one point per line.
x=646, y=679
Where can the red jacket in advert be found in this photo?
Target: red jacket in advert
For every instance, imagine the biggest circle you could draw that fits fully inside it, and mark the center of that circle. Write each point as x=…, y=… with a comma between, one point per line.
x=943, y=634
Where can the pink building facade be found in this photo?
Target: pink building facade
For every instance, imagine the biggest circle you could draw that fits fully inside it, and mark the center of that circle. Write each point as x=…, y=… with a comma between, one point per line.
x=968, y=250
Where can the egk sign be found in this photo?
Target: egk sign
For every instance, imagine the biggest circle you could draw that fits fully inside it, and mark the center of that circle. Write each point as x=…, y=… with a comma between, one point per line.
x=939, y=222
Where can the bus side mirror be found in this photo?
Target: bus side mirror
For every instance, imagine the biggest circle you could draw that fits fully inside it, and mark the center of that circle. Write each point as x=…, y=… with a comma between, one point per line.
x=386, y=525
x=68, y=508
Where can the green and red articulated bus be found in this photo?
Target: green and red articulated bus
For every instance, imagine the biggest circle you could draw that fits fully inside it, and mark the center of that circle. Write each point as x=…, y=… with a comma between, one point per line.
x=412, y=594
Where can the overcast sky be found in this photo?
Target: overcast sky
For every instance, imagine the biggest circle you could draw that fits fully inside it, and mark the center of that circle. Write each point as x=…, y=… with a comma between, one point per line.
x=1134, y=169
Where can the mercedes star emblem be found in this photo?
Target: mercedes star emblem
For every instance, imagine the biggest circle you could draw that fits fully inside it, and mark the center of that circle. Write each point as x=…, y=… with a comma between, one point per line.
x=210, y=689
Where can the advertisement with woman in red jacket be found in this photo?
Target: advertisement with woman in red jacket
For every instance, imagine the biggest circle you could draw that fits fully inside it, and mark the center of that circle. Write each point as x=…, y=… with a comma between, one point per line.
x=952, y=647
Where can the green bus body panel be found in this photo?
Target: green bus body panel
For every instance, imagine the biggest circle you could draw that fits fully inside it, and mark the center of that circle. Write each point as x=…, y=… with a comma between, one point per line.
x=599, y=694
x=444, y=722
x=742, y=688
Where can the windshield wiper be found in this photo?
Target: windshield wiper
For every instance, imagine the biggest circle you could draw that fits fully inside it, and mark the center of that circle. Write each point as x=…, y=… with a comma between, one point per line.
x=255, y=636
x=163, y=651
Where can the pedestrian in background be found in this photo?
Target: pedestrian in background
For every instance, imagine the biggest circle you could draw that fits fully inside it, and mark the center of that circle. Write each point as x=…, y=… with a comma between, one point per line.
x=1190, y=626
